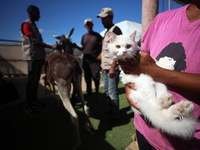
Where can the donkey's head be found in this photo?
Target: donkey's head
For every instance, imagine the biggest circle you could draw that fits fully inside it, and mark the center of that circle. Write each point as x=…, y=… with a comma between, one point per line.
x=65, y=43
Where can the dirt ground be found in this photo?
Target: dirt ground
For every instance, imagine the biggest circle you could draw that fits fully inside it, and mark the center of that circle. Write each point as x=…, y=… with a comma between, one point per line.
x=83, y=83
x=20, y=85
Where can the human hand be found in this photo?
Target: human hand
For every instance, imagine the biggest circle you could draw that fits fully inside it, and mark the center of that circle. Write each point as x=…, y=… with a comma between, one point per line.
x=112, y=72
x=130, y=65
x=128, y=88
x=102, y=71
x=146, y=64
x=99, y=58
x=74, y=45
x=54, y=46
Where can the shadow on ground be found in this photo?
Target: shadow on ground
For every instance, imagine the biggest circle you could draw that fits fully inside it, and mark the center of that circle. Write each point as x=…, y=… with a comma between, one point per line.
x=51, y=129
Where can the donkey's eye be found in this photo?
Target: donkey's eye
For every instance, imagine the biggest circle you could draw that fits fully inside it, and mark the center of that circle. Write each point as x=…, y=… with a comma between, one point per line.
x=128, y=46
x=117, y=46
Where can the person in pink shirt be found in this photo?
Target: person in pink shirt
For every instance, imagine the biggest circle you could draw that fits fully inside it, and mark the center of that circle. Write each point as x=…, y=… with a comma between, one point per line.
x=175, y=34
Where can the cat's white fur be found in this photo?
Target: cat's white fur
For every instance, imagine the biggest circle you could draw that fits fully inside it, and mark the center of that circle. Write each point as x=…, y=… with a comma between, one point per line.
x=153, y=99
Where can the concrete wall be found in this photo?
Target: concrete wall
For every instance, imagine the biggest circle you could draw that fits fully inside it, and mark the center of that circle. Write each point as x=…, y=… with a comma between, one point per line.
x=11, y=62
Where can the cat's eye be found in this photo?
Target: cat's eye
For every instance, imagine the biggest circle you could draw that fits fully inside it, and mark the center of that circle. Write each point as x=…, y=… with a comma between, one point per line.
x=117, y=46
x=128, y=46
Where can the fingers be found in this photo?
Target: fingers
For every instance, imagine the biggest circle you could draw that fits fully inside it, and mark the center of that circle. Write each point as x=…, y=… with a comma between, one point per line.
x=132, y=86
x=132, y=103
x=102, y=71
x=128, y=88
x=111, y=75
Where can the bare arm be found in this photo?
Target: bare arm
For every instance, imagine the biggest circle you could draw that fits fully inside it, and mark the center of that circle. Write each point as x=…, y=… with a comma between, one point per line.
x=99, y=57
x=128, y=88
x=186, y=82
x=112, y=68
x=78, y=47
x=178, y=81
x=36, y=41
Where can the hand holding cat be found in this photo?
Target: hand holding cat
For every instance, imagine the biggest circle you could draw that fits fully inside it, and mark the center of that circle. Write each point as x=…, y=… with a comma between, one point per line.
x=145, y=64
x=128, y=88
x=131, y=66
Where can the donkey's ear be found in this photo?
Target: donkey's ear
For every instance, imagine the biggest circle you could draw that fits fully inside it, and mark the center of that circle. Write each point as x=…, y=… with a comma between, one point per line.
x=69, y=34
x=57, y=37
x=112, y=36
x=133, y=35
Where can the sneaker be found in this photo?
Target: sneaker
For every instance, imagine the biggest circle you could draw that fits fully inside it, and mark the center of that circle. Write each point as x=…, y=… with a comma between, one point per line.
x=31, y=111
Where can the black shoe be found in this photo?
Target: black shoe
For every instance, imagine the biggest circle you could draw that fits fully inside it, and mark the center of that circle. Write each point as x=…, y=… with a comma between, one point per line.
x=31, y=111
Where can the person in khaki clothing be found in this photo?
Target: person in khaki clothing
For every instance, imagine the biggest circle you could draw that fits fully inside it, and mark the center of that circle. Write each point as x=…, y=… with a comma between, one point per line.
x=34, y=53
x=109, y=65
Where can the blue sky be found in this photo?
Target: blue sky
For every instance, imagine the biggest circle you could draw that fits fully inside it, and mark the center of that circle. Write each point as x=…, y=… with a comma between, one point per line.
x=60, y=16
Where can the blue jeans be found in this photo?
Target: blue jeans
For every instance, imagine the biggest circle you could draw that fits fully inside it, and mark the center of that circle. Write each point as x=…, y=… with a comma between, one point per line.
x=111, y=89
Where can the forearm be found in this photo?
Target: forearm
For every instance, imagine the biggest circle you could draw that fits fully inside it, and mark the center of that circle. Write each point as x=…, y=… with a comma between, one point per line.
x=78, y=47
x=185, y=82
x=99, y=57
x=46, y=45
x=37, y=42
x=180, y=82
x=112, y=68
x=114, y=63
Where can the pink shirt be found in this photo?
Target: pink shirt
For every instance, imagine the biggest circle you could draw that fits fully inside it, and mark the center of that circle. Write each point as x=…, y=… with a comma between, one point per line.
x=171, y=34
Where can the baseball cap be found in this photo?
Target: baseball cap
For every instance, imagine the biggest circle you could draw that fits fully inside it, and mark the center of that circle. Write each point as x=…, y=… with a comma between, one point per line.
x=105, y=12
x=87, y=20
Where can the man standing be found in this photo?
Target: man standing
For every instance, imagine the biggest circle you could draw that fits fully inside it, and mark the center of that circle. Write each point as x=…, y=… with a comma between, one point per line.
x=34, y=53
x=109, y=65
x=91, y=48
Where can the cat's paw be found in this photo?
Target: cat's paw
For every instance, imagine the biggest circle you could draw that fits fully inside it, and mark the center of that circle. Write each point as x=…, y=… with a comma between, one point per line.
x=166, y=100
x=184, y=108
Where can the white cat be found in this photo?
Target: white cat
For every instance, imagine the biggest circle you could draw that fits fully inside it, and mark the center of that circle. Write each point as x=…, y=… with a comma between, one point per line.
x=153, y=99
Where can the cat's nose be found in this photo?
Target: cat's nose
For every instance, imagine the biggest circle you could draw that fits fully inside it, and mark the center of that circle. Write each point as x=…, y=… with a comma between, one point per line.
x=124, y=52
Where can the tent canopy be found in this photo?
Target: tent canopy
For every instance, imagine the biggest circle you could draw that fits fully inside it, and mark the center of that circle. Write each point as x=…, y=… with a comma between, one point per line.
x=128, y=27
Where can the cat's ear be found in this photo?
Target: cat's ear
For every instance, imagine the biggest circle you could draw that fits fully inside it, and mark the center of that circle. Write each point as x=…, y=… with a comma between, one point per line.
x=133, y=35
x=112, y=36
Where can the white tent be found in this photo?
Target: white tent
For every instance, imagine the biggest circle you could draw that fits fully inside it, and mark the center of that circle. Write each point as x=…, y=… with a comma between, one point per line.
x=128, y=27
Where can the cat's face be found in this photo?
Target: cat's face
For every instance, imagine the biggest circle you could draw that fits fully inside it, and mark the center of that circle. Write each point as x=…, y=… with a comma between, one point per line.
x=122, y=46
